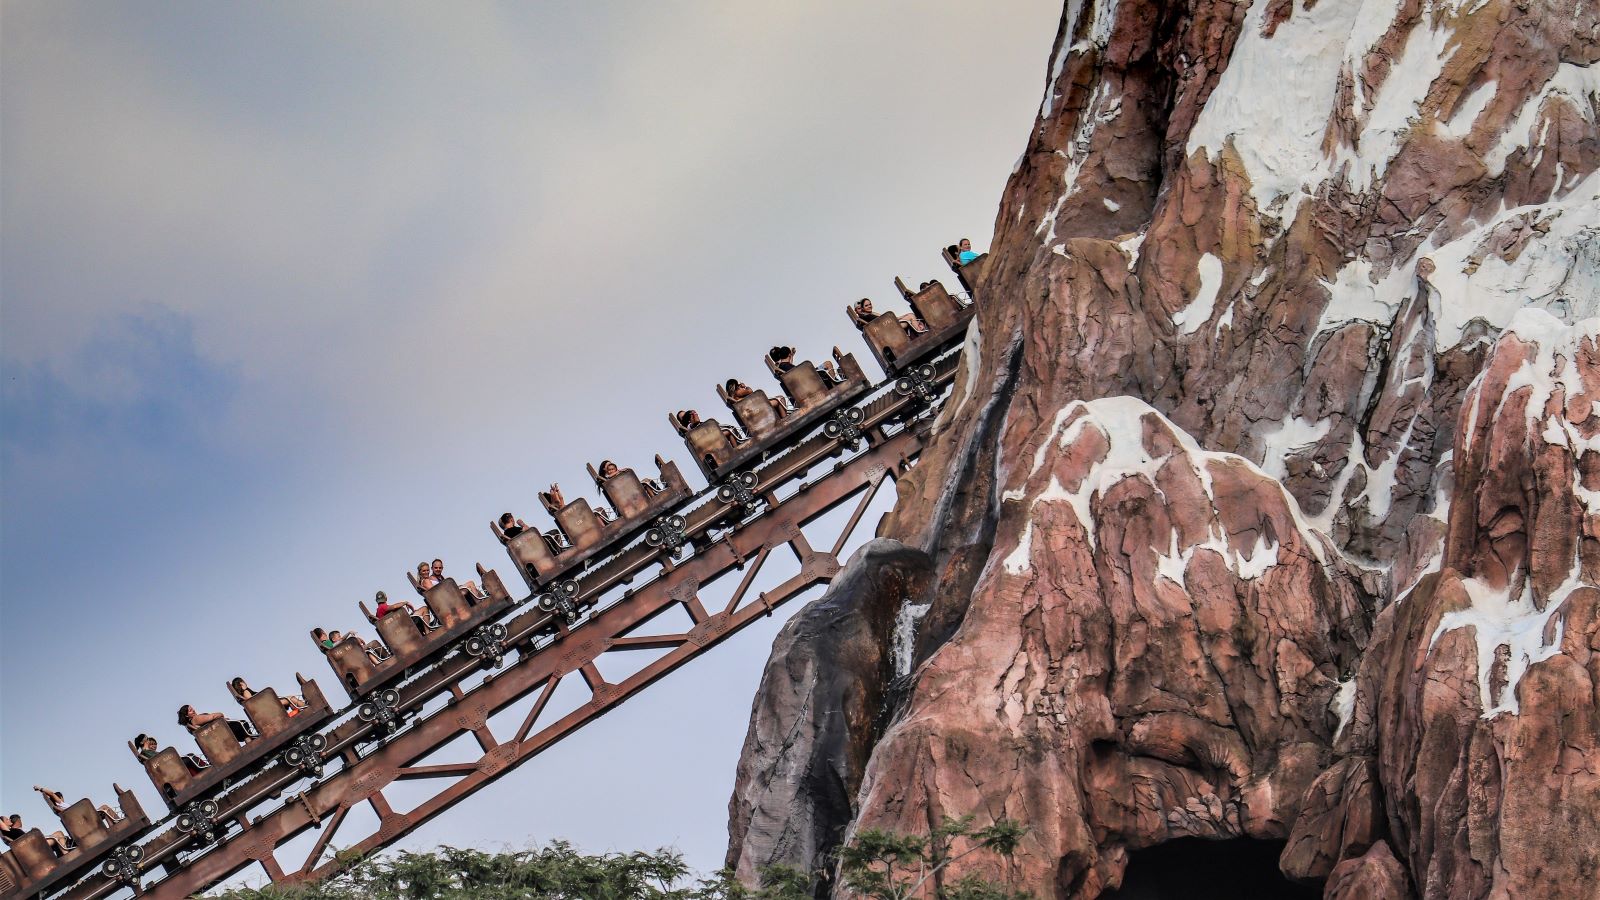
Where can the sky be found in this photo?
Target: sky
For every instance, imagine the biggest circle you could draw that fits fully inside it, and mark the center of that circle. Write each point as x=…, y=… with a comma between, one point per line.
x=294, y=295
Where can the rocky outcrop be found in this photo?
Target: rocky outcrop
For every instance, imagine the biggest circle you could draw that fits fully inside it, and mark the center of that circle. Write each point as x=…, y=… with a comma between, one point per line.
x=1375, y=875
x=1475, y=709
x=1478, y=703
x=1152, y=655
x=818, y=712
x=1263, y=506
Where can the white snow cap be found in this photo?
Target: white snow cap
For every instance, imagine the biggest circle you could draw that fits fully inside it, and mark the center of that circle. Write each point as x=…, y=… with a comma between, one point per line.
x=1120, y=421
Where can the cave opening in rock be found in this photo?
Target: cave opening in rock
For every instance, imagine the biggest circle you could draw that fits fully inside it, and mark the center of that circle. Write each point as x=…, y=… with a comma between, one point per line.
x=1198, y=869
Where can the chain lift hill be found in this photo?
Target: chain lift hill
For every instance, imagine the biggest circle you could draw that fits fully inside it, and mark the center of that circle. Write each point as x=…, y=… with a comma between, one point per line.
x=491, y=650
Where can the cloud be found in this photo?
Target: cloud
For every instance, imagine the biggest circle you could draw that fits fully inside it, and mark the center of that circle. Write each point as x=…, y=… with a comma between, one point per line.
x=139, y=389
x=111, y=432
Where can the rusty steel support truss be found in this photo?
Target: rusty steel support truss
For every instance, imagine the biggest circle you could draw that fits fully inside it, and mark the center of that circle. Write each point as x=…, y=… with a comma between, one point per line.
x=536, y=670
x=730, y=529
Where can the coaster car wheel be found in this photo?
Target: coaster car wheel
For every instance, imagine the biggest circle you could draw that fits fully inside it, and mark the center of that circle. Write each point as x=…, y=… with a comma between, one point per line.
x=197, y=816
x=123, y=866
x=560, y=592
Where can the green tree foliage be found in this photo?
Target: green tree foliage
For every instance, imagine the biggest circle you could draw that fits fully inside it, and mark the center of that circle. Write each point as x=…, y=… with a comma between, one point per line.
x=877, y=865
x=777, y=883
x=882, y=865
x=556, y=872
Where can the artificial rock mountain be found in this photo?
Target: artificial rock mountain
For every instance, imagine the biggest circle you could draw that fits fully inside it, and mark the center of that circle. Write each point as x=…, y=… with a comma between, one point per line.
x=1267, y=503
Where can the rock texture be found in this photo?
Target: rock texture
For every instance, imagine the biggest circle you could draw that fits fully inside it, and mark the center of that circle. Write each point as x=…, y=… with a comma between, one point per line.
x=1482, y=697
x=1266, y=505
x=818, y=713
x=1155, y=657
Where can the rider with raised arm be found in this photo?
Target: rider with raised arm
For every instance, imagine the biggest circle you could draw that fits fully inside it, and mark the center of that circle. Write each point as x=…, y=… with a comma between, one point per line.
x=58, y=803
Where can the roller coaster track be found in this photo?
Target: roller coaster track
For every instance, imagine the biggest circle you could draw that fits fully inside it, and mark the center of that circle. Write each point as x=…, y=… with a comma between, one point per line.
x=522, y=649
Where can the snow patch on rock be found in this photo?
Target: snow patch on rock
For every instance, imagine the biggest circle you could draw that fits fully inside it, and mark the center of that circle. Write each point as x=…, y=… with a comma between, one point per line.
x=1460, y=124
x=905, y=635
x=1357, y=293
x=1498, y=620
x=1102, y=108
x=1120, y=422
x=970, y=355
x=1576, y=85
x=1379, y=492
x=1344, y=704
x=1198, y=312
x=1174, y=564
x=1278, y=133
x=1552, y=370
x=1395, y=107
x=1104, y=13
x=1557, y=268
x=1293, y=434
x=1130, y=245
x=1057, y=63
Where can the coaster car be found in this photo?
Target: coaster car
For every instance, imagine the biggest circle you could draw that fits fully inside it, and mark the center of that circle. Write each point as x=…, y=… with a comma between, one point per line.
x=30, y=868
x=895, y=350
x=179, y=784
x=968, y=274
x=585, y=532
x=813, y=396
x=407, y=645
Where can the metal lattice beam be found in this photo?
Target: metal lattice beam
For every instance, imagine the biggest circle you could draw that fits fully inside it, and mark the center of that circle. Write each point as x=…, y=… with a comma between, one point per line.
x=257, y=817
x=741, y=552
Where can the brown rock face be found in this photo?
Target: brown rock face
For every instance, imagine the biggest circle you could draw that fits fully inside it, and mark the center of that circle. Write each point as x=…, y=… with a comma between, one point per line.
x=1152, y=655
x=1266, y=504
x=1483, y=693
x=1375, y=875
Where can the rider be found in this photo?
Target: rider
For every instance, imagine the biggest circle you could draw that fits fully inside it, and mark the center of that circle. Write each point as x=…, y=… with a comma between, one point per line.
x=188, y=718
x=511, y=526
x=738, y=390
x=912, y=325
x=58, y=803
x=688, y=420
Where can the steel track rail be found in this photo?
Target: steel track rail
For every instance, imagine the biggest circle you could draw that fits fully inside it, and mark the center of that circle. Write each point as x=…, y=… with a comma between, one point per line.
x=724, y=539
x=614, y=629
